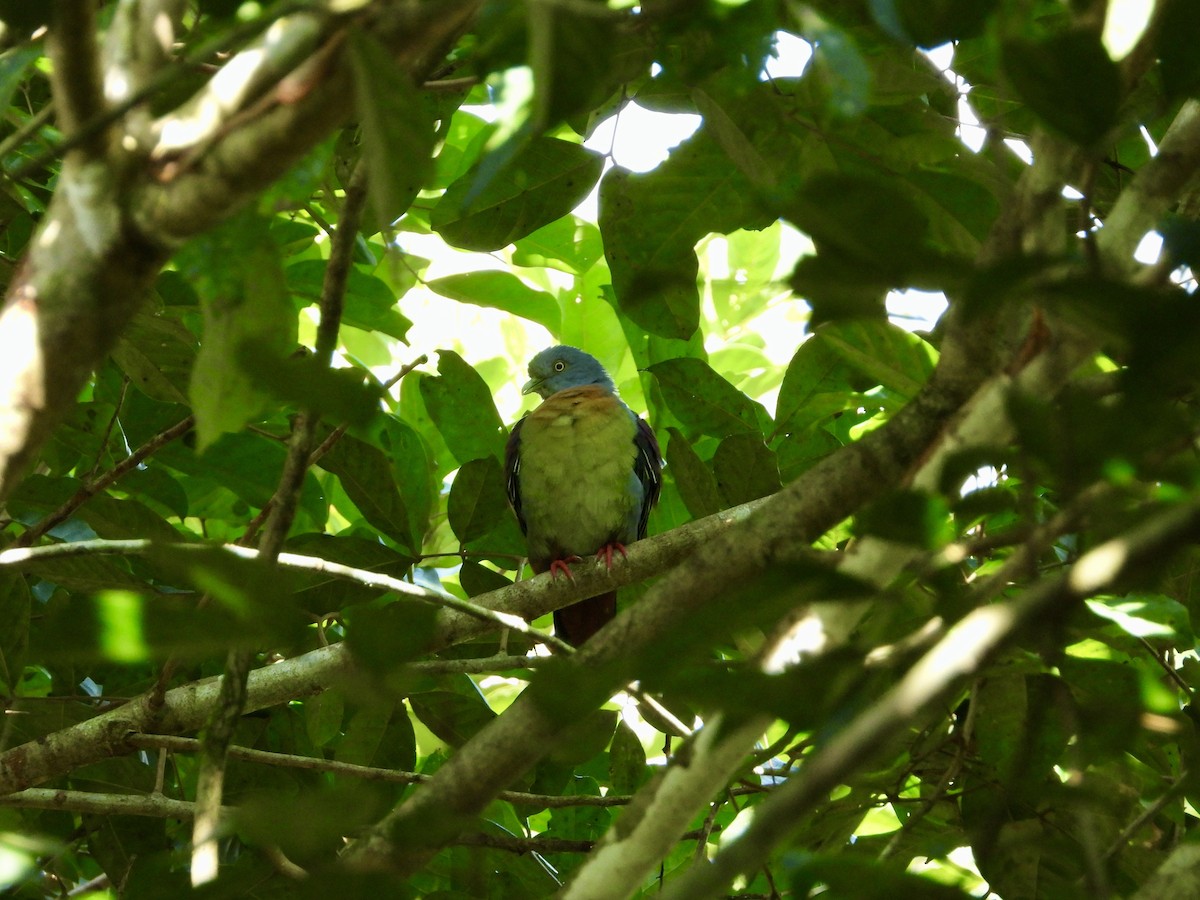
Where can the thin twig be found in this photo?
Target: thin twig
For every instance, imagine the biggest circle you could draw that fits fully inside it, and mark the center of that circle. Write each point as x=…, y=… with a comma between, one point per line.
x=95, y=486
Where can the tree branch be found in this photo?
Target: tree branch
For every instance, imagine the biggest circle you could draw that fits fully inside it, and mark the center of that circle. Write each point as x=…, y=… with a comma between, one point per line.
x=966, y=648
x=71, y=46
x=1154, y=190
x=111, y=227
x=185, y=708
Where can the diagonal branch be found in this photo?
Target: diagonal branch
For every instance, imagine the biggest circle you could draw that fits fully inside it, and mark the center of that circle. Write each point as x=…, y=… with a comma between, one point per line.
x=966, y=648
x=71, y=45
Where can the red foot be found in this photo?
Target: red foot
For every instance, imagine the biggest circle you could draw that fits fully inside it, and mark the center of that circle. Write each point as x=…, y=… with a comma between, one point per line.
x=563, y=565
x=607, y=552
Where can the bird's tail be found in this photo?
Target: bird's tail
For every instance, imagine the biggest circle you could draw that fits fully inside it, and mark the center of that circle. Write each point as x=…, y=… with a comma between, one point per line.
x=579, y=621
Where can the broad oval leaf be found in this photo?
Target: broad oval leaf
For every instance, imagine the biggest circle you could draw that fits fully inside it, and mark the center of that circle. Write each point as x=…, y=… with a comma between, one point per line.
x=478, y=501
x=543, y=182
x=1068, y=80
x=460, y=404
x=501, y=290
x=704, y=402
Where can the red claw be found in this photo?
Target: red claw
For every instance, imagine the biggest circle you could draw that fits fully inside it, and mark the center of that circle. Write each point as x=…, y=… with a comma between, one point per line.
x=608, y=551
x=563, y=565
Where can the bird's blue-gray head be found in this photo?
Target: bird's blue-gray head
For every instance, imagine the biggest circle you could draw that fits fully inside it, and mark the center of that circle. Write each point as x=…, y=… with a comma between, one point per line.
x=558, y=368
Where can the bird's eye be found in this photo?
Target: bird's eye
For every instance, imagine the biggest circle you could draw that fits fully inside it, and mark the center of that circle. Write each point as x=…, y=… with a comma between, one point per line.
x=559, y=366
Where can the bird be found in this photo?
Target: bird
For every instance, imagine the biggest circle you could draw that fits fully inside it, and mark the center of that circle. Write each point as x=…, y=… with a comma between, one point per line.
x=583, y=471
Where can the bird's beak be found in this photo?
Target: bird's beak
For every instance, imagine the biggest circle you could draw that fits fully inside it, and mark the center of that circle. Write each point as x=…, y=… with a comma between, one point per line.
x=531, y=386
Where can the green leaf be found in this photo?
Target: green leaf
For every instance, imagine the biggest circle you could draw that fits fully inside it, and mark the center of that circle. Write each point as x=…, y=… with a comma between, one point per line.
x=366, y=476
x=908, y=517
x=454, y=715
x=626, y=760
x=930, y=23
x=157, y=353
x=862, y=879
x=501, y=290
x=302, y=381
x=568, y=243
x=651, y=224
x=882, y=353
x=704, y=402
x=320, y=594
x=413, y=470
x=243, y=300
x=383, y=638
x=745, y=469
x=800, y=451
x=692, y=477
x=323, y=717
x=397, y=128
x=570, y=75
x=543, y=182
x=1068, y=80
x=244, y=465
x=814, y=387
x=369, y=303
x=478, y=499
x=477, y=578
x=1145, y=616
x=872, y=227
x=1177, y=37
x=460, y=404
x=14, y=636
x=379, y=734
x=126, y=519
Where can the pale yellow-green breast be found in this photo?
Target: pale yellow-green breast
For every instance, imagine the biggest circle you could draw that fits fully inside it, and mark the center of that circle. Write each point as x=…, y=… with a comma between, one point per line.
x=578, y=489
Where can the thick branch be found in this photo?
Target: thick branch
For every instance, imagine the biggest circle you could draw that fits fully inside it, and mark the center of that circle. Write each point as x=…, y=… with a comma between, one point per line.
x=71, y=45
x=185, y=708
x=111, y=227
x=967, y=647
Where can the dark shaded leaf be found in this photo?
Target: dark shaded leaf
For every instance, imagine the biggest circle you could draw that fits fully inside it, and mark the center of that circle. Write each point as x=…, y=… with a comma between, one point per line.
x=626, y=761
x=929, y=23
x=323, y=717
x=543, y=182
x=157, y=353
x=243, y=301
x=340, y=395
x=460, y=404
x=366, y=476
x=908, y=517
x=453, y=715
x=397, y=128
x=14, y=636
x=704, y=402
x=478, y=500
x=1069, y=80
x=318, y=593
x=745, y=469
x=692, y=477
x=1176, y=41
x=651, y=224
x=383, y=638
x=478, y=579
x=369, y=303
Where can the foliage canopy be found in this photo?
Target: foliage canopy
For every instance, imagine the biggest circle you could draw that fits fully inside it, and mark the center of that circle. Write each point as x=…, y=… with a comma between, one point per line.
x=916, y=605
